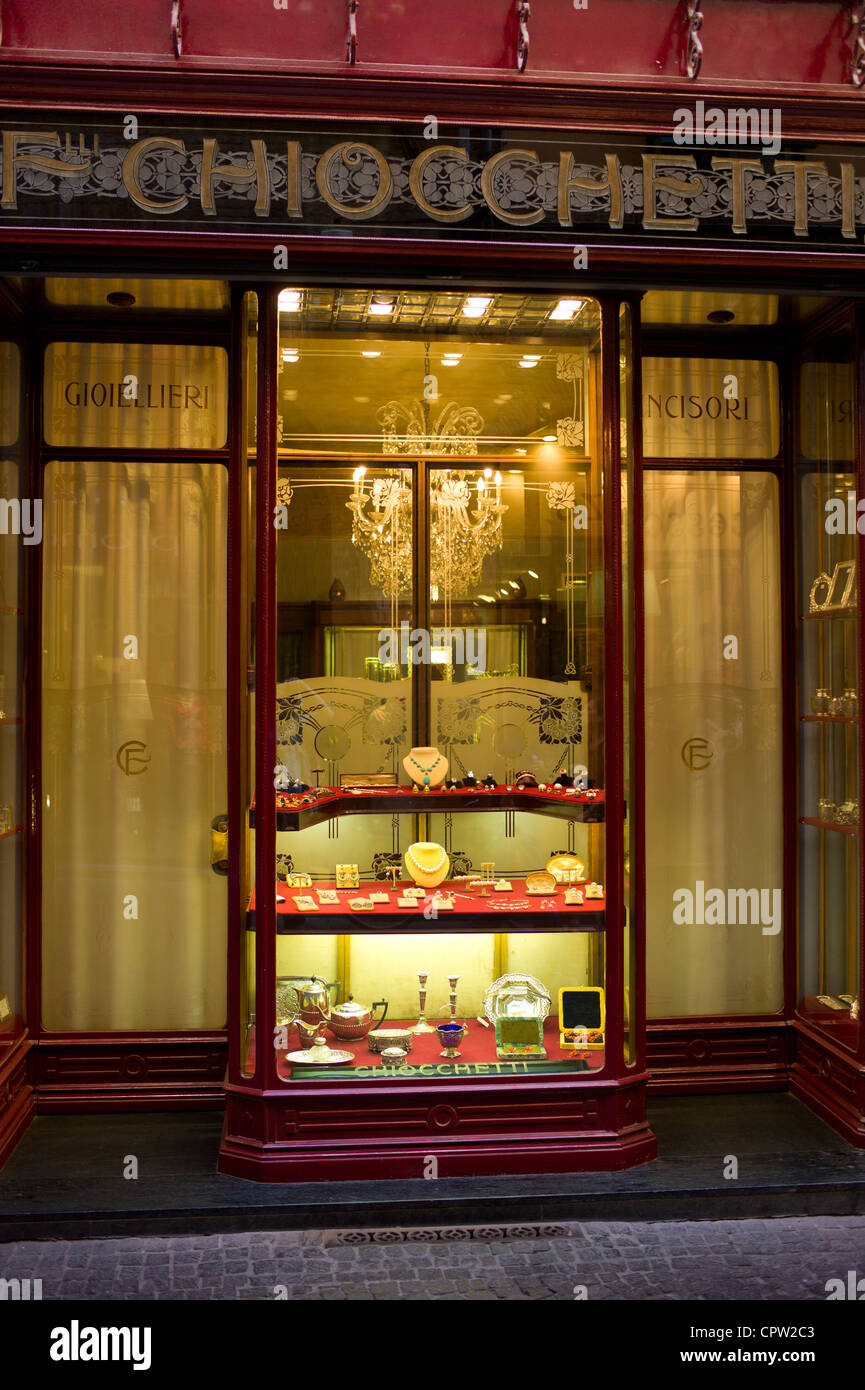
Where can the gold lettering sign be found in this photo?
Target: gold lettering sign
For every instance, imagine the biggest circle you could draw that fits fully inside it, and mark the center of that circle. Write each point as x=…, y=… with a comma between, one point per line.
x=352, y=154
x=826, y=411
x=710, y=408
x=136, y=395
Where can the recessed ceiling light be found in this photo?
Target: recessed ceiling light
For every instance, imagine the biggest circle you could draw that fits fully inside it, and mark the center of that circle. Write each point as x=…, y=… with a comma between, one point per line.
x=476, y=305
x=120, y=299
x=370, y=353
x=513, y=583
x=532, y=573
x=381, y=306
x=290, y=355
x=503, y=591
x=528, y=362
x=721, y=316
x=519, y=451
x=567, y=308
x=452, y=359
x=289, y=301
x=549, y=438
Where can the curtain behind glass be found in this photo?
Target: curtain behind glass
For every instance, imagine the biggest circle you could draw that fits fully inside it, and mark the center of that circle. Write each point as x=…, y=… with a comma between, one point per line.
x=134, y=919
x=713, y=735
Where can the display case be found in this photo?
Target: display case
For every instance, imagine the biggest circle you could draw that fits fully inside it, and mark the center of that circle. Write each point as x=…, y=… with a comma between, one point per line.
x=431, y=759
x=829, y=1053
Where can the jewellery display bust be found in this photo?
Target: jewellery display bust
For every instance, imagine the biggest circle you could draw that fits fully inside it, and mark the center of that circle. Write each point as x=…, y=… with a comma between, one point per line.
x=427, y=863
x=426, y=767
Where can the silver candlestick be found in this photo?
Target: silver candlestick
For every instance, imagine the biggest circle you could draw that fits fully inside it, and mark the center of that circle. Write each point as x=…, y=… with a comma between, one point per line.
x=422, y=1026
x=453, y=981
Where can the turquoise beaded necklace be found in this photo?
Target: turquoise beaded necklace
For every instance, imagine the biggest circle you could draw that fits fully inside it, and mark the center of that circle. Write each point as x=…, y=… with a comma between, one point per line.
x=425, y=770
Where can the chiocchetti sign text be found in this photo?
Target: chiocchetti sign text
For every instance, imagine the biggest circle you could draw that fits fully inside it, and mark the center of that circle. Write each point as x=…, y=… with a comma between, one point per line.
x=320, y=178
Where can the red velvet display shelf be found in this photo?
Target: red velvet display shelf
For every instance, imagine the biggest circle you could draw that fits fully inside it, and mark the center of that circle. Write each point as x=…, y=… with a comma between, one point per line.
x=471, y=913
x=829, y=825
x=331, y=802
x=478, y=1047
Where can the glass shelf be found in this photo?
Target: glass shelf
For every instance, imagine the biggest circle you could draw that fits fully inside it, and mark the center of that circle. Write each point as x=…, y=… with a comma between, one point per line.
x=839, y=612
x=829, y=718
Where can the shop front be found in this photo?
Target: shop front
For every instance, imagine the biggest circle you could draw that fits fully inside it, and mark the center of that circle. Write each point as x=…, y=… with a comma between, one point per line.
x=429, y=629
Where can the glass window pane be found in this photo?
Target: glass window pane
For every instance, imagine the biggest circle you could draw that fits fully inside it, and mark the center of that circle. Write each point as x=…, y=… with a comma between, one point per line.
x=133, y=730
x=449, y=450
x=714, y=810
x=828, y=694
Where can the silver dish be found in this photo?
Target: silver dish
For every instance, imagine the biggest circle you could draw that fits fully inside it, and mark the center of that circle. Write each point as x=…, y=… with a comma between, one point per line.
x=330, y=1057
x=516, y=996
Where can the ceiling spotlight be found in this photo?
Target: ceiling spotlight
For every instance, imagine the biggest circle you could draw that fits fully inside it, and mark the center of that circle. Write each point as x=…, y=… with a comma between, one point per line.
x=549, y=438
x=120, y=299
x=381, y=306
x=452, y=359
x=370, y=353
x=567, y=308
x=721, y=316
x=529, y=360
x=532, y=573
x=514, y=585
x=290, y=355
x=476, y=305
x=289, y=301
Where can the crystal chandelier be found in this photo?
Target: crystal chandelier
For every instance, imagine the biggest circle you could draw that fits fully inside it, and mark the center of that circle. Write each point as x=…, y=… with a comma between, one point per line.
x=465, y=505
x=466, y=511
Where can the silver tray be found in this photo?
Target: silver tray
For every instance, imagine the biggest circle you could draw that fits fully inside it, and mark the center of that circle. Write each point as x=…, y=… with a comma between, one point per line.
x=337, y=1058
x=512, y=988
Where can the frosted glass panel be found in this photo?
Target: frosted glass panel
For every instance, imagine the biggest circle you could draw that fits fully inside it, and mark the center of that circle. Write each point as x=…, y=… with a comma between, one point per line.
x=713, y=744
x=133, y=692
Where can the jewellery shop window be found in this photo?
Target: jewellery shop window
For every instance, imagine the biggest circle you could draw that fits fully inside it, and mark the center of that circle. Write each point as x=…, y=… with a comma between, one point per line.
x=440, y=686
x=828, y=714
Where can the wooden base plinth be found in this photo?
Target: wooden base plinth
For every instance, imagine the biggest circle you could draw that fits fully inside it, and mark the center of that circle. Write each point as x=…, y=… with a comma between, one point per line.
x=17, y=1096
x=391, y=1129
x=830, y=1082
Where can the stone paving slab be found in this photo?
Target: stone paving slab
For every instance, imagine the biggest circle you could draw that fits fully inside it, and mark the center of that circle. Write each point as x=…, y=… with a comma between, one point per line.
x=743, y=1261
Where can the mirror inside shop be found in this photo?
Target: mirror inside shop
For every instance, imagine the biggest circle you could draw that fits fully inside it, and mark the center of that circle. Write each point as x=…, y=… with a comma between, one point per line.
x=440, y=775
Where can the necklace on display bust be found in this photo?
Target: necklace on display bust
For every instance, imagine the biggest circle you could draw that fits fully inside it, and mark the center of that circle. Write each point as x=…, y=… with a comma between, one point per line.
x=426, y=767
x=427, y=863
x=428, y=868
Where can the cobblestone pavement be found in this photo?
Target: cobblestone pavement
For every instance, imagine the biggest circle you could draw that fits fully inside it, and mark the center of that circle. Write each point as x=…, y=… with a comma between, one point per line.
x=789, y=1258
